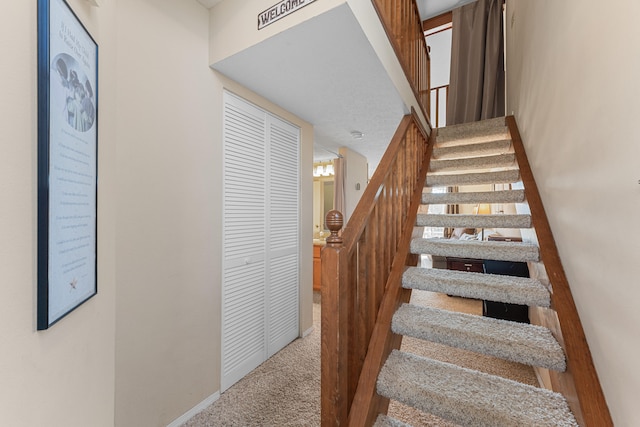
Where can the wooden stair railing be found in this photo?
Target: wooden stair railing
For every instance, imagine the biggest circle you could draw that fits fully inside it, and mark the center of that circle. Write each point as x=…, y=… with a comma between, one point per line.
x=362, y=268
x=435, y=112
x=579, y=384
x=403, y=25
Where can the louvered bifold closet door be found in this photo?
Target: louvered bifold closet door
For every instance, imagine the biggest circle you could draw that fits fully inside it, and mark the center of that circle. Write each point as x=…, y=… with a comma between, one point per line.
x=261, y=217
x=244, y=236
x=283, y=235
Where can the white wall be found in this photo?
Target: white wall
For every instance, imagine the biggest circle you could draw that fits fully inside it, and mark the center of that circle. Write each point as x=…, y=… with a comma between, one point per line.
x=356, y=175
x=169, y=211
x=440, y=44
x=62, y=376
x=440, y=54
x=572, y=71
x=241, y=20
x=150, y=351
x=167, y=341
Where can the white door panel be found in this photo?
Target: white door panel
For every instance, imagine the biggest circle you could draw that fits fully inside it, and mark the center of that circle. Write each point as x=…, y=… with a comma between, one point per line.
x=260, y=278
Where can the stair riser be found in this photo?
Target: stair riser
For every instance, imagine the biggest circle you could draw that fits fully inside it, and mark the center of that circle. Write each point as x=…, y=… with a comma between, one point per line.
x=471, y=131
x=489, y=287
x=469, y=397
x=475, y=221
x=484, y=162
x=500, y=251
x=445, y=180
x=516, y=342
x=506, y=196
x=482, y=149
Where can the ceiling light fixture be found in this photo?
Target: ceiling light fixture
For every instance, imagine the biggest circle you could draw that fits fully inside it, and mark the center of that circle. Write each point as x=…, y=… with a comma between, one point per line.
x=356, y=134
x=323, y=169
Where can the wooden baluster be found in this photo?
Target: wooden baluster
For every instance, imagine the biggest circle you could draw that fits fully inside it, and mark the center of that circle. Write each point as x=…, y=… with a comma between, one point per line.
x=389, y=230
x=399, y=207
x=411, y=40
x=417, y=36
x=382, y=218
x=377, y=281
x=362, y=310
x=400, y=31
x=438, y=108
x=392, y=213
x=407, y=185
x=428, y=74
x=355, y=338
x=394, y=207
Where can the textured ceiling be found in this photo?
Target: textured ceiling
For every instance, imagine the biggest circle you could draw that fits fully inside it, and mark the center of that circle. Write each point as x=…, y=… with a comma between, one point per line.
x=326, y=72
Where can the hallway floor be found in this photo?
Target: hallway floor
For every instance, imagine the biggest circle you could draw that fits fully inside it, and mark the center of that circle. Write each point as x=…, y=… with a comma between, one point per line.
x=285, y=390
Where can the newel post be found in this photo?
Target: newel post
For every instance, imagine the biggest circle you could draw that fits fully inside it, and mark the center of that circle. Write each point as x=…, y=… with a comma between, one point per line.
x=334, y=221
x=334, y=327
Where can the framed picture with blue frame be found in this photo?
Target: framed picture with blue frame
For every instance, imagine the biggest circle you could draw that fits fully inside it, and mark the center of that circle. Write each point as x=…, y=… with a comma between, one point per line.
x=67, y=163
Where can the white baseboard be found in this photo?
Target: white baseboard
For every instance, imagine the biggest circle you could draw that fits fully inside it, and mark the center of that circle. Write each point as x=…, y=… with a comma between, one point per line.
x=307, y=332
x=195, y=410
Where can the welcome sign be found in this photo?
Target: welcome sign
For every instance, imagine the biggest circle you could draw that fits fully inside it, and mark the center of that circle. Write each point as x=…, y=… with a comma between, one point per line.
x=279, y=11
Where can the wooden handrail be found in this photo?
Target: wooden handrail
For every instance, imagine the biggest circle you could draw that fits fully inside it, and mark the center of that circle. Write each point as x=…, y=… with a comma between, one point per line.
x=402, y=23
x=437, y=21
x=580, y=383
x=357, y=265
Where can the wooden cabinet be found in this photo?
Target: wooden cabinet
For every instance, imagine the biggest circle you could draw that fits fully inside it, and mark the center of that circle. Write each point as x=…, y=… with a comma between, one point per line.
x=504, y=239
x=317, y=267
x=465, y=264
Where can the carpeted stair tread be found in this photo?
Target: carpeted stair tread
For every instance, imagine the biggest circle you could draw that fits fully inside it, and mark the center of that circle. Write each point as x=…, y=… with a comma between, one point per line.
x=494, y=161
x=473, y=130
x=468, y=397
x=473, y=198
x=498, y=177
x=483, y=148
x=500, y=251
x=517, y=342
x=474, y=221
x=387, y=421
x=489, y=287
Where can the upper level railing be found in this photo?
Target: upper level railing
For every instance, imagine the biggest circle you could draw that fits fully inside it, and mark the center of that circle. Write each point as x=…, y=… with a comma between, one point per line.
x=401, y=20
x=360, y=266
x=440, y=98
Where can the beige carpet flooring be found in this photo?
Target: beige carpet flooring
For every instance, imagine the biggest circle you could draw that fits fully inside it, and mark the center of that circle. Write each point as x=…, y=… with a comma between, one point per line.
x=285, y=390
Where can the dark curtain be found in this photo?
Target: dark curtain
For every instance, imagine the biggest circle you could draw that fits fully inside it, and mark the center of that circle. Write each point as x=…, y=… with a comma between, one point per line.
x=477, y=85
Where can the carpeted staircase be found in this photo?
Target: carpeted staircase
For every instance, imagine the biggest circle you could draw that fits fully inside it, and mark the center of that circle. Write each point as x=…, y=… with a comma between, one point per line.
x=470, y=154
